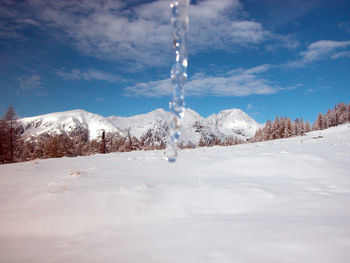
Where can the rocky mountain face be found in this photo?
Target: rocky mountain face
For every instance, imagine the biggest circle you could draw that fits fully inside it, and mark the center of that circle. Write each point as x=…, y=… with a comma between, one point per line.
x=150, y=128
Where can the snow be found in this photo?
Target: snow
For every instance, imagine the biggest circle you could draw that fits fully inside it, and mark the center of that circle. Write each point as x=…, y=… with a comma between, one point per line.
x=277, y=201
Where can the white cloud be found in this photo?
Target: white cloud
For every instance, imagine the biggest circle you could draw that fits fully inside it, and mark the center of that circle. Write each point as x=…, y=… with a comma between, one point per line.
x=89, y=75
x=139, y=34
x=343, y=54
x=32, y=83
x=238, y=83
x=216, y=25
x=29, y=82
x=320, y=50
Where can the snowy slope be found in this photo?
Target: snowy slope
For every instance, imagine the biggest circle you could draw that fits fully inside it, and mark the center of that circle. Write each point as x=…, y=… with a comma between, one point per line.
x=234, y=121
x=156, y=122
x=153, y=124
x=139, y=124
x=189, y=133
x=278, y=201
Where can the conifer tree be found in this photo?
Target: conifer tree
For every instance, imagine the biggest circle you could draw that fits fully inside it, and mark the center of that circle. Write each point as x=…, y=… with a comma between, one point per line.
x=319, y=122
x=267, y=131
x=296, y=127
x=9, y=129
x=276, y=129
x=302, y=127
x=103, y=142
x=288, y=128
x=3, y=141
x=307, y=126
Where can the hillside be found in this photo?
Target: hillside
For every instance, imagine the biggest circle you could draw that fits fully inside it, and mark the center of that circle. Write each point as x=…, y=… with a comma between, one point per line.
x=285, y=201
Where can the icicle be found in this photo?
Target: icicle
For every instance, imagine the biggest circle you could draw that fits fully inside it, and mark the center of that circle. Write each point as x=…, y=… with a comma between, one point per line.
x=179, y=21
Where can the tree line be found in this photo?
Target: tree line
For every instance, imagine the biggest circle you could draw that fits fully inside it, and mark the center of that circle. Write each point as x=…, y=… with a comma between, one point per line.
x=16, y=148
x=283, y=127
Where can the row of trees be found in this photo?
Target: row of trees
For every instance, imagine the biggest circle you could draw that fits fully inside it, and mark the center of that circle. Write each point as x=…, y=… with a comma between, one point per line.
x=338, y=115
x=74, y=144
x=77, y=143
x=283, y=127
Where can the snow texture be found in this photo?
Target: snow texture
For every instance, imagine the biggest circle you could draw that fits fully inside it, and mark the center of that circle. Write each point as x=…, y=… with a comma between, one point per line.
x=277, y=201
x=234, y=122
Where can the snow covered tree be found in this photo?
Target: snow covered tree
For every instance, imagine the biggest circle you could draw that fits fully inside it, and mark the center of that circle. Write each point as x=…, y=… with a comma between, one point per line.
x=259, y=136
x=267, y=131
x=276, y=129
x=336, y=119
x=307, y=126
x=318, y=125
x=296, y=127
x=288, y=132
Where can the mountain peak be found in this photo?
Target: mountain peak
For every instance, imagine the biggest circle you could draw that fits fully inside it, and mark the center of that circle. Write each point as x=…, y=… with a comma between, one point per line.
x=233, y=121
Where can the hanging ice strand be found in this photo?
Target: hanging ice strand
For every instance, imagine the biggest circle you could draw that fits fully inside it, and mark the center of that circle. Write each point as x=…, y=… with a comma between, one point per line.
x=179, y=21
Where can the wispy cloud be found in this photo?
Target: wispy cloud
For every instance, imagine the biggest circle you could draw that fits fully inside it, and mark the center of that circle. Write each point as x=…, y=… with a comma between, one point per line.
x=343, y=54
x=139, y=33
x=320, y=50
x=13, y=19
x=33, y=84
x=323, y=49
x=249, y=107
x=345, y=26
x=317, y=89
x=88, y=75
x=238, y=83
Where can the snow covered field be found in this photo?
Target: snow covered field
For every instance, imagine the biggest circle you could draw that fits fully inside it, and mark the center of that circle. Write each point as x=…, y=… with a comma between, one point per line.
x=278, y=201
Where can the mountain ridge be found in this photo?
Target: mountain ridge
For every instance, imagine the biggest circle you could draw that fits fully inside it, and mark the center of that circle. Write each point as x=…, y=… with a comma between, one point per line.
x=227, y=123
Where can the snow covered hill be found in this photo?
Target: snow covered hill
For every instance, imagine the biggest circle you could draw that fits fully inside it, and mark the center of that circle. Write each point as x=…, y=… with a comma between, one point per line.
x=277, y=201
x=151, y=126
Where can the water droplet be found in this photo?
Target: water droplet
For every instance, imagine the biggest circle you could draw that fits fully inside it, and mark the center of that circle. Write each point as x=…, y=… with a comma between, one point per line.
x=179, y=21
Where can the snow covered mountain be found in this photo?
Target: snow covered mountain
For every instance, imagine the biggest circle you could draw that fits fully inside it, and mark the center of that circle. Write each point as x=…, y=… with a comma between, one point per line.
x=150, y=127
x=67, y=121
x=229, y=122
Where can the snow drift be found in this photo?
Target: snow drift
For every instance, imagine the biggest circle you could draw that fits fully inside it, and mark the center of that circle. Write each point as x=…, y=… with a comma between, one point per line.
x=277, y=201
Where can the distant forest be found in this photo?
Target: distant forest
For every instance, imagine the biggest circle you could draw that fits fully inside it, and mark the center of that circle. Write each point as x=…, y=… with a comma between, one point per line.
x=16, y=148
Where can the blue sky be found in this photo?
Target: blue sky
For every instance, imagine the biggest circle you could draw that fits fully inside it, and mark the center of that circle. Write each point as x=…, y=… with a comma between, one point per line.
x=267, y=57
